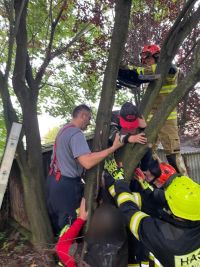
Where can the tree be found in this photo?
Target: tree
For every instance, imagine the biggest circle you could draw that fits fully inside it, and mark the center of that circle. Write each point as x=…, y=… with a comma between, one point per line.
x=185, y=22
x=37, y=35
x=150, y=23
x=122, y=14
x=41, y=36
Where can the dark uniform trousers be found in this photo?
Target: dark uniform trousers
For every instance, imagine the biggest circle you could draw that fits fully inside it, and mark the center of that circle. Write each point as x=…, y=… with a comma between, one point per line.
x=63, y=199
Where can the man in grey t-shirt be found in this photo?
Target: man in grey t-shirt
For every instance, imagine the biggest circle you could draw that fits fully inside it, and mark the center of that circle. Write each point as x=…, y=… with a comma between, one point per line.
x=71, y=155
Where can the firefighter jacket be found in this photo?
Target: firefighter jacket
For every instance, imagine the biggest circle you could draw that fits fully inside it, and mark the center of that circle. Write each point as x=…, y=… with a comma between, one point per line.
x=168, y=86
x=173, y=242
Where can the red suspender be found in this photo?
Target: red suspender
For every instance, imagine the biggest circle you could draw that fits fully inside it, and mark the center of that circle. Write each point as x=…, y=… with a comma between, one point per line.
x=54, y=162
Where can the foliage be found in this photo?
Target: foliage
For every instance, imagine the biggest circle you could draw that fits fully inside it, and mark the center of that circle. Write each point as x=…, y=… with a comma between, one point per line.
x=43, y=38
x=76, y=76
x=51, y=135
x=189, y=114
x=55, y=51
x=150, y=23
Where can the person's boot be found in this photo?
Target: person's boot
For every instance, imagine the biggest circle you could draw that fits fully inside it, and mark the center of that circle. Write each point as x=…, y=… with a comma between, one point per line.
x=176, y=160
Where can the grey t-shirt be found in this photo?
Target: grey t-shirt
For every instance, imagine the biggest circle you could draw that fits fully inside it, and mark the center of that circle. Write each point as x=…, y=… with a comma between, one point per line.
x=70, y=144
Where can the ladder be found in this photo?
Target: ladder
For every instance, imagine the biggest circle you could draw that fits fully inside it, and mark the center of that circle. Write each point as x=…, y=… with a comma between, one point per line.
x=8, y=157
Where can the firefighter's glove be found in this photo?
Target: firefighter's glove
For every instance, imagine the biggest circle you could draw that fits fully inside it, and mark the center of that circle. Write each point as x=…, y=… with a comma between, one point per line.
x=140, y=177
x=111, y=167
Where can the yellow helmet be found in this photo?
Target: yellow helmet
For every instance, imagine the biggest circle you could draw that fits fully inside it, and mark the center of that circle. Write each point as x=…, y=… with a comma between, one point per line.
x=183, y=198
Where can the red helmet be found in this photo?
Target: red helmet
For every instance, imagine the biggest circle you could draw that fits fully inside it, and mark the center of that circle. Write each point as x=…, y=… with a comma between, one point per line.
x=152, y=49
x=166, y=172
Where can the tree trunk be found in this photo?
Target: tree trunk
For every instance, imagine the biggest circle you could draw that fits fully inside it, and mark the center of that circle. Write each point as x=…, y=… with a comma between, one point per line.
x=30, y=159
x=100, y=141
x=31, y=168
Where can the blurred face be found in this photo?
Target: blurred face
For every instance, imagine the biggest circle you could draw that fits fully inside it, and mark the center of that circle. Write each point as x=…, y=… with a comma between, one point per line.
x=85, y=117
x=149, y=60
x=149, y=177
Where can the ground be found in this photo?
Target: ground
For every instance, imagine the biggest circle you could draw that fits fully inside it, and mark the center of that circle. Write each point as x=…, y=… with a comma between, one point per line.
x=16, y=251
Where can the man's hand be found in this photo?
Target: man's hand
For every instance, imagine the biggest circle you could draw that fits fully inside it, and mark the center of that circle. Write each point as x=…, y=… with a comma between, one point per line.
x=83, y=214
x=138, y=138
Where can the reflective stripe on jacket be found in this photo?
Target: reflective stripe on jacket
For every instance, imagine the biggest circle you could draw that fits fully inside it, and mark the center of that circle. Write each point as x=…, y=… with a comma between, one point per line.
x=173, y=243
x=169, y=85
x=170, y=82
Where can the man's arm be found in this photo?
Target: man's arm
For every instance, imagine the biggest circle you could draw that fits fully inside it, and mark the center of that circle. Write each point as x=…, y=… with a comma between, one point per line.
x=91, y=159
x=65, y=242
x=68, y=238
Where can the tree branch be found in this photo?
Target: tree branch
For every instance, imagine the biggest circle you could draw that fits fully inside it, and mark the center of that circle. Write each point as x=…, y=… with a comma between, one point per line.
x=48, y=58
x=58, y=52
x=168, y=51
x=188, y=53
x=19, y=15
x=10, y=115
x=187, y=7
x=11, y=39
x=63, y=49
x=133, y=154
x=19, y=85
x=29, y=75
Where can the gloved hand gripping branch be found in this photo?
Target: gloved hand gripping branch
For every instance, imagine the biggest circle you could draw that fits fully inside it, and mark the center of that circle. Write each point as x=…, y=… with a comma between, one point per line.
x=112, y=173
x=114, y=177
x=112, y=168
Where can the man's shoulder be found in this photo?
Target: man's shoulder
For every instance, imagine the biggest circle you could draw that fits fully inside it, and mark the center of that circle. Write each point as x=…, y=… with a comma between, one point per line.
x=69, y=130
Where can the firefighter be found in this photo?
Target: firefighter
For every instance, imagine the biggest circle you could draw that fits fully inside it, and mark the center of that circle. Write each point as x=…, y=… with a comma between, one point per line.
x=71, y=156
x=168, y=135
x=147, y=184
x=156, y=175
x=174, y=241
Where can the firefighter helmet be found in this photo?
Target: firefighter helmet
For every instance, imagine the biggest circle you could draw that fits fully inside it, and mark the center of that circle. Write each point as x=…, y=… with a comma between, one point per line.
x=153, y=49
x=166, y=172
x=150, y=50
x=183, y=198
